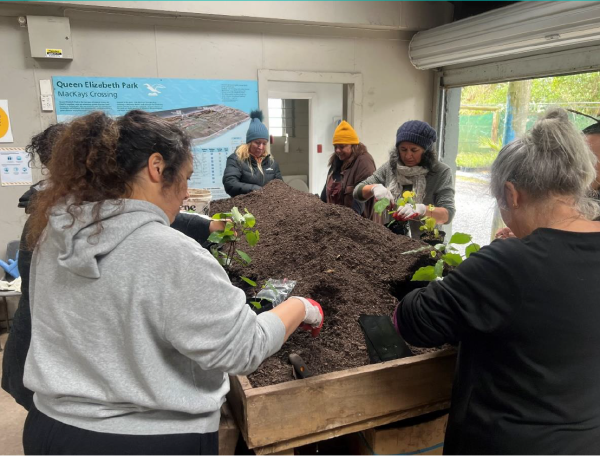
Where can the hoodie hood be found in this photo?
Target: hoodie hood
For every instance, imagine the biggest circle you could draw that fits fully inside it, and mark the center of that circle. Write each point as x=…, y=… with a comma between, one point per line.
x=79, y=243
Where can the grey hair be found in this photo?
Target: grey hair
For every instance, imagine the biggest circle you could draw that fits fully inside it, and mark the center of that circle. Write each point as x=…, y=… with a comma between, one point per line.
x=552, y=158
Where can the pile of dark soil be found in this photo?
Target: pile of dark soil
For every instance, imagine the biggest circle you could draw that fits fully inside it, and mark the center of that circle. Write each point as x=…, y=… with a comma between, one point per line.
x=350, y=265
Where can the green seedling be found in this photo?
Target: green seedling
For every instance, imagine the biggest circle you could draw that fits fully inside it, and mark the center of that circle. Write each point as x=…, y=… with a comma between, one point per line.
x=236, y=225
x=447, y=255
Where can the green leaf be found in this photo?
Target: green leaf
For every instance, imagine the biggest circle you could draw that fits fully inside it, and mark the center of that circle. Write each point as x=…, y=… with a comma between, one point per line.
x=236, y=216
x=472, y=248
x=250, y=282
x=216, y=237
x=425, y=274
x=433, y=254
x=381, y=205
x=221, y=215
x=460, y=238
x=256, y=304
x=439, y=268
x=252, y=238
x=452, y=259
x=440, y=247
x=244, y=256
x=249, y=220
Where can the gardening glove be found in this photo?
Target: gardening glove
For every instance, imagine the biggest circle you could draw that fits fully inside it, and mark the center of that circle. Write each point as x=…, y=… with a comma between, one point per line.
x=313, y=316
x=12, y=267
x=408, y=212
x=380, y=192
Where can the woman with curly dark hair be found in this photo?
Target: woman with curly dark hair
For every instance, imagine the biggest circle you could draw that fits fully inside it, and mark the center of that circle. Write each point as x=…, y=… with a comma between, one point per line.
x=134, y=325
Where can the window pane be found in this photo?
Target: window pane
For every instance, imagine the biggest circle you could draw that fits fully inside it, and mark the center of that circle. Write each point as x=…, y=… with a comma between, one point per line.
x=275, y=103
x=275, y=112
x=275, y=122
x=277, y=131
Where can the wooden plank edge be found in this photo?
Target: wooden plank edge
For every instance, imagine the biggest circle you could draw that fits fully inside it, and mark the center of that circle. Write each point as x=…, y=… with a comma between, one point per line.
x=237, y=405
x=357, y=371
x=349, y=429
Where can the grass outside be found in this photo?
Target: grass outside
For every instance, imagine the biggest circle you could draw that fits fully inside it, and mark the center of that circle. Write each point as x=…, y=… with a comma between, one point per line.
x=476, y=160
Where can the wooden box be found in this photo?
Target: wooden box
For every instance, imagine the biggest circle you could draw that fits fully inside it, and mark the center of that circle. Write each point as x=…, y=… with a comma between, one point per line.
x=287, y=415
x=405, y=437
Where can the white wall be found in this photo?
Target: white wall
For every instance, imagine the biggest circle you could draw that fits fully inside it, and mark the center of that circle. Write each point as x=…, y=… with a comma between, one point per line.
x=131, y=45
x=392, y=15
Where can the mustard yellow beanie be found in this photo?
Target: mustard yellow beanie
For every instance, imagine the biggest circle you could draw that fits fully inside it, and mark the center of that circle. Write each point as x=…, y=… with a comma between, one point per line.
x=345, y=134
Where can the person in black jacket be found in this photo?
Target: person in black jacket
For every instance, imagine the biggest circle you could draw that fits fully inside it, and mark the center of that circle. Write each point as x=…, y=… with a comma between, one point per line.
x=524, y=310
x=19, y=337
x=17, y=345
x=251, y=166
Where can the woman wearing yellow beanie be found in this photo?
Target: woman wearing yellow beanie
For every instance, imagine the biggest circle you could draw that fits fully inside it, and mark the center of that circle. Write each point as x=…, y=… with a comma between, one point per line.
x=349, y=165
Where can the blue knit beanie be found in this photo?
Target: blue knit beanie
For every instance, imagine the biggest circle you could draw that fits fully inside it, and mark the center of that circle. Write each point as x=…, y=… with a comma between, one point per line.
x=257, y=129
x=417, y=132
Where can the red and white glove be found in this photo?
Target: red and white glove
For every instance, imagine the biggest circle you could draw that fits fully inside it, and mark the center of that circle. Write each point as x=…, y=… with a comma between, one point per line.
x=313, y=316
x=409, y=212
x=380, y=192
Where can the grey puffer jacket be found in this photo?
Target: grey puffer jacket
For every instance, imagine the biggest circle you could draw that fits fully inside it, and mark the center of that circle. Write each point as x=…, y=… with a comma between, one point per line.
x=439, y=190
x=240, y=179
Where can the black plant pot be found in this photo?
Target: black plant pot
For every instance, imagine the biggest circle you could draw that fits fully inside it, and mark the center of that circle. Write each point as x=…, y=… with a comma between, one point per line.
x=398, y=227
x=428, y=238
x=265, y=305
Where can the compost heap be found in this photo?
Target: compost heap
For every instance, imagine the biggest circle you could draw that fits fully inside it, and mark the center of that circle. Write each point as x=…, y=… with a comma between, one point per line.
x=349, y=264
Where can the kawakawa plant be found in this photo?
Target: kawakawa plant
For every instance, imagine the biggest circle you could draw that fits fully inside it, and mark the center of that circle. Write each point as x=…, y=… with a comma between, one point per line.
x=446, y=254
x=236, y=225
x=429, y=224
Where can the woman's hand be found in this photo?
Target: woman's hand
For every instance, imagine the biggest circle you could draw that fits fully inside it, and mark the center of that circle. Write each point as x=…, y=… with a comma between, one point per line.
x=216, y=225
x=380, y=192
x=504, y=233
x=408, y=212
x=313, y=316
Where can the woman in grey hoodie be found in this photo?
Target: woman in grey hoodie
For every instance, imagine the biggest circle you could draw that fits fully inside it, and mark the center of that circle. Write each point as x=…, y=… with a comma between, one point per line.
x=134, y=325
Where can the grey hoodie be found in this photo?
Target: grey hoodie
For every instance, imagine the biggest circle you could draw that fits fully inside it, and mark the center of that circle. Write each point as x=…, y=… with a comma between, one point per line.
x=135, y=328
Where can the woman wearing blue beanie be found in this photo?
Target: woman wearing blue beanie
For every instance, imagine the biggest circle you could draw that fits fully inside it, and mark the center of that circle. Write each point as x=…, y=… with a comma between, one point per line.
x=413, y=166
x=251, y=166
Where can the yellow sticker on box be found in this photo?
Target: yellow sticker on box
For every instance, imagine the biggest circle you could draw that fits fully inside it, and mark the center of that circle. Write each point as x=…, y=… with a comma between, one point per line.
x=54, y=53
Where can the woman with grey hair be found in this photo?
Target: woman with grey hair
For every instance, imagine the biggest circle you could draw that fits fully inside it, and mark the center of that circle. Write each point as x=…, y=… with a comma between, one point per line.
x=524, y=309
x=412, y=166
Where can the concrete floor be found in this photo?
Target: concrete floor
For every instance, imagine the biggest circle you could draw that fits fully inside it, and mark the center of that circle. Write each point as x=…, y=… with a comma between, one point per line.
x=12, y=418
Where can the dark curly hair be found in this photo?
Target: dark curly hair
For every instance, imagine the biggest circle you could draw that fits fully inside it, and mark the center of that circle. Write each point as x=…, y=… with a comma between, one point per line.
x=97, y=158
x=41, y=144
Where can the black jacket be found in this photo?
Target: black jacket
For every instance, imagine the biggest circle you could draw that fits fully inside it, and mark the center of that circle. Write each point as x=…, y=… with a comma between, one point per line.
x=19, y=338
x=239, y=179
x=526, y=316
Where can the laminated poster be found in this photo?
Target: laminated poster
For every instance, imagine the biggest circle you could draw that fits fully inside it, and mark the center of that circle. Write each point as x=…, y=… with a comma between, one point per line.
x=14, y=167
x=215, y=113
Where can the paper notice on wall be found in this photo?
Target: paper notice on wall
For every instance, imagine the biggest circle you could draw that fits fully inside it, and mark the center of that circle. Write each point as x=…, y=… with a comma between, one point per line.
x=14, y=167
x=5, y=127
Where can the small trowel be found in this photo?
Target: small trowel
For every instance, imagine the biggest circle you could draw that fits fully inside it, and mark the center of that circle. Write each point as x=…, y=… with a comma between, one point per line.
x=300, y=369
